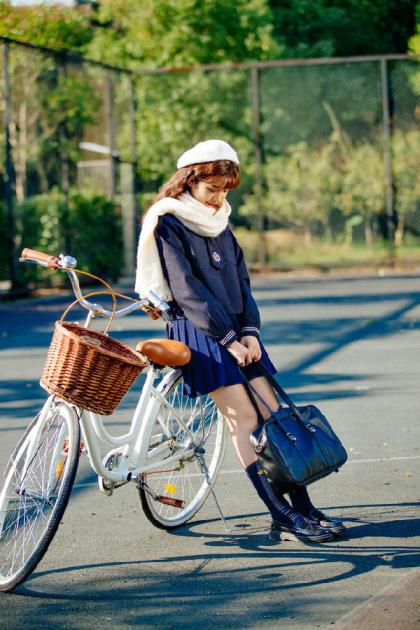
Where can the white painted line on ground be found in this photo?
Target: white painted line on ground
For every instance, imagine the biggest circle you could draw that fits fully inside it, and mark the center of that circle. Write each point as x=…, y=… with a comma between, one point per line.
x=235, y=471
x=381, y=459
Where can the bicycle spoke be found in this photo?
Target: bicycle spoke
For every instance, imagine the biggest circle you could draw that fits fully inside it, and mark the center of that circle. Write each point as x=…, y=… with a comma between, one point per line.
x=34, y=483
x=183, y=424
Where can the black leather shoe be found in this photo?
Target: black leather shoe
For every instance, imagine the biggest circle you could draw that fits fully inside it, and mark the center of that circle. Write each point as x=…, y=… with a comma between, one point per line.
x=327, y=522
x=304, y=530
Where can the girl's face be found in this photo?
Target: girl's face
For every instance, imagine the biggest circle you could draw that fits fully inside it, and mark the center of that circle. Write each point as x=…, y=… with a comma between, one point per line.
x=211, y=192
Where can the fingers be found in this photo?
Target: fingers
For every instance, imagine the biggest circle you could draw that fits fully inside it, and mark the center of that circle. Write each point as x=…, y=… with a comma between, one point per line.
x=253, y=346
x=244, y=359
x=255, y=354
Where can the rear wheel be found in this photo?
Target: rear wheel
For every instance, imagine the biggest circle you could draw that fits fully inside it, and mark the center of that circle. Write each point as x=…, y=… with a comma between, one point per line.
x=183, y=423
x=38, y=482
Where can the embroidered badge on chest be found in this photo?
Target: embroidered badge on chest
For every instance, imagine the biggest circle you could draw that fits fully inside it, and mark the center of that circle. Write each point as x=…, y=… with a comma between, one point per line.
x=216, y=257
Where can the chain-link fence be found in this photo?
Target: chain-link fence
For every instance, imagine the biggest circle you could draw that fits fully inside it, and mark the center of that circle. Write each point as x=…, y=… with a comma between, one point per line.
x=68, y=136
x=329, y=154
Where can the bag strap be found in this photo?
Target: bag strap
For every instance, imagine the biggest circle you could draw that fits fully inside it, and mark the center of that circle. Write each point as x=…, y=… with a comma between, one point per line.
x=275, y=385
x=253, y=394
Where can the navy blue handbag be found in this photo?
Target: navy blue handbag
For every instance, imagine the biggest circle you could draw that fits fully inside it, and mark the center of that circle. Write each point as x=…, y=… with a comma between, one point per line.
x=296, y=445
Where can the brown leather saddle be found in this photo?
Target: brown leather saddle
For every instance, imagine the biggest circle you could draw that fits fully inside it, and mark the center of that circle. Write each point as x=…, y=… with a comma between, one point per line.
x=165, y=351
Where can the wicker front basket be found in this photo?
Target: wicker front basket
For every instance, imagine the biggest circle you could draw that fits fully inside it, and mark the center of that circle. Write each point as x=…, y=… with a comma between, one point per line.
x=89, y=369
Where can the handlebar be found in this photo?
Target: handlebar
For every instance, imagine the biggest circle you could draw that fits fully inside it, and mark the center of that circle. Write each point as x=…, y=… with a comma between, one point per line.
x=152, y=304
x=40, y=257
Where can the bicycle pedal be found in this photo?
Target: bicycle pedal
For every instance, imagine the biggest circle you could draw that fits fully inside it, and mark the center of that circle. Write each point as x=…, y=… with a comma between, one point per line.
x=178, y=503
x=106, y=486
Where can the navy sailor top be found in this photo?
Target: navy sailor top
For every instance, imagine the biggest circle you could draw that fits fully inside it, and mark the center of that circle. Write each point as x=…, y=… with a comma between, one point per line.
x=208, y=279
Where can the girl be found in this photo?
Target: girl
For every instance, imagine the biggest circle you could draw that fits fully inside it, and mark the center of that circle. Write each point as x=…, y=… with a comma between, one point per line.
x=189, y=257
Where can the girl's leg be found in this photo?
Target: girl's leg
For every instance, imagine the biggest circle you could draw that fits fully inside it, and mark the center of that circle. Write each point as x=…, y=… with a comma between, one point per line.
x=301, y=502
x=299, y=496
x=233, y=402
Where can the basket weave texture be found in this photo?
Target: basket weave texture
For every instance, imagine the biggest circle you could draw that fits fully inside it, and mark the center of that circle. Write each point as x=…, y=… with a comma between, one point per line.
x=88, y=368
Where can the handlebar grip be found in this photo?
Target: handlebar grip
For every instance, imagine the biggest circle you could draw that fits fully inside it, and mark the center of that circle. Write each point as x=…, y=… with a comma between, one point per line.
x=151, y=312
x=33, y=254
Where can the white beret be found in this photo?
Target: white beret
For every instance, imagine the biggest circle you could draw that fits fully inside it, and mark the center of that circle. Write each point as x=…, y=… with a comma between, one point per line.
x=208, y=151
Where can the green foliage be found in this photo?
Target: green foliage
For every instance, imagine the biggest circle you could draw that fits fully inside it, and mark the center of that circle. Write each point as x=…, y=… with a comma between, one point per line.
x=301, y=186
x=312, y=191
x=67, y=106
x=321, y=125
x=414, y=42
x=54, y=26
x=179, y=32
x=95, y=228
x=334, y=28
x=3, y=241
x=96, y=237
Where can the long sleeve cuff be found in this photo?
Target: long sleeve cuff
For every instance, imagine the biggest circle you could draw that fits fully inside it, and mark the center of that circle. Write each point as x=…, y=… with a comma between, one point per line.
x=228, y=338
x=250, y=330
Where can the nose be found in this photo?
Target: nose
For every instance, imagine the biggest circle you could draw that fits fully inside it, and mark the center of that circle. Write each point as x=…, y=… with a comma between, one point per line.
x=220, y=196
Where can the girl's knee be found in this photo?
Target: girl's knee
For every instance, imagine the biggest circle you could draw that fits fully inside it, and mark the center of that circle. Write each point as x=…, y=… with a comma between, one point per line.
x=238, y=425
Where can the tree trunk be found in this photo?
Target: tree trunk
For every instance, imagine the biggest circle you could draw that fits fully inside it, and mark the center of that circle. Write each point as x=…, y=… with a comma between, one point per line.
x=307, y=234
x=399, y=232
x=368, y=230
x=42, y=174
x=22, y=151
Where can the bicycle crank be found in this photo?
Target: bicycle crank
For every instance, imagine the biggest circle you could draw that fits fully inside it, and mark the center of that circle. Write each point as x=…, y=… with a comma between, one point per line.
x=106, y=485
x=178, y=503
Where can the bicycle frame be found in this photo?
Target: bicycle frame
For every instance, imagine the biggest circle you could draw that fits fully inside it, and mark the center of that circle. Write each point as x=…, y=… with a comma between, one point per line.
x=181, y=440
x=131, y=445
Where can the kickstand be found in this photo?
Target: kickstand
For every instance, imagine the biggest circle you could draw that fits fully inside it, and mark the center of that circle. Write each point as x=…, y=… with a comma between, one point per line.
x=206, y=474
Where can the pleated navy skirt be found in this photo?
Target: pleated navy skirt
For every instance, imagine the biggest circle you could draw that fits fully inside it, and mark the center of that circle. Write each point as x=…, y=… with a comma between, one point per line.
x=211, y=365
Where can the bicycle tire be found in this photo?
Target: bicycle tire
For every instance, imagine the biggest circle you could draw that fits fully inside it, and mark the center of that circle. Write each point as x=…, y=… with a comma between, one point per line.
x=38, y=482
x=208, y=426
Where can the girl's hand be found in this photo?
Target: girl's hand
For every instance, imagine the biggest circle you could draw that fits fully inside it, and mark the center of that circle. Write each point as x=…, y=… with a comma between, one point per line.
x=253, y=345
x=240, y=352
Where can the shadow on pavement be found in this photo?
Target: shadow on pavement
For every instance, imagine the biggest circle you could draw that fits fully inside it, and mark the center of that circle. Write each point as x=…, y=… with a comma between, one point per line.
x=168, y=593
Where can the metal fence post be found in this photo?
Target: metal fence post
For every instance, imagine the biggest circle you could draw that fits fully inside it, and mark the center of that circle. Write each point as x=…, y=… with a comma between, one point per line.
x=129, y=196
x=65, y=164
x=389, y=185
x=9, y=171
x=134, y=154
x=111, y=133
x=255, y=98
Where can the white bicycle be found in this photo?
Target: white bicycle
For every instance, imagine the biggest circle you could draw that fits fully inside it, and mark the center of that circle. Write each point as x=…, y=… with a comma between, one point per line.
x=172, y=451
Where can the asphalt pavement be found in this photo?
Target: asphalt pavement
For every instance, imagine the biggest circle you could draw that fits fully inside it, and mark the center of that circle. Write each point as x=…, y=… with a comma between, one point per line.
x=351, y=345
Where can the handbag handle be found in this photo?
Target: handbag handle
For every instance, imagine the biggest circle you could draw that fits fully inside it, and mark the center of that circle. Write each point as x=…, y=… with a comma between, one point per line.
x=275, y=385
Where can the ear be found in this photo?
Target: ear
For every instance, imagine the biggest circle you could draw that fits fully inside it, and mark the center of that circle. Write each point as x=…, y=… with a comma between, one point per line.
x=190, y=180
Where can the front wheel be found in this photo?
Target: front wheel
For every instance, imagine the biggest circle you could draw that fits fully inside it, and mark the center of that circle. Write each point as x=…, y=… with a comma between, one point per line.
x=37, y=486
x=182, y=423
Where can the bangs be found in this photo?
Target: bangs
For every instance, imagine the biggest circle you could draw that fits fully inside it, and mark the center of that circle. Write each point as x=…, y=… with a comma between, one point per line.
x=225, y=169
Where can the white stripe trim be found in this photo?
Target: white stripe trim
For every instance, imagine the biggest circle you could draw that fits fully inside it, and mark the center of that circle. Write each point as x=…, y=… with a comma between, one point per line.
x=228, y=337
x=250, y=329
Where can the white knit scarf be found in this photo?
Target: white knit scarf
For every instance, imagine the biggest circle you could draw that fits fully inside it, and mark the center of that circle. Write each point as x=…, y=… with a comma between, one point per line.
x=195, y=216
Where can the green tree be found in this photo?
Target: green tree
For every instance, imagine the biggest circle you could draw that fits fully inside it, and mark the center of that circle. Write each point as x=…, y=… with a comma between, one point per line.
x=327, y=28
x=55, y=26
x=363, y=191
x=51, y=102
x=175, y=110
x=406, y=149
x=302, y=185
x=179, y=32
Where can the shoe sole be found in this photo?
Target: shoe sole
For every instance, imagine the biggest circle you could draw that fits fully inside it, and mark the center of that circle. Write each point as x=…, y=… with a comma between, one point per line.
x=339, y=530
x=284, y=535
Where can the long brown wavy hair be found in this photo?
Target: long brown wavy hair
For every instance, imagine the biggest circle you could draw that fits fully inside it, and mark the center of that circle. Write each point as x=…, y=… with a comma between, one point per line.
x=178, y=183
